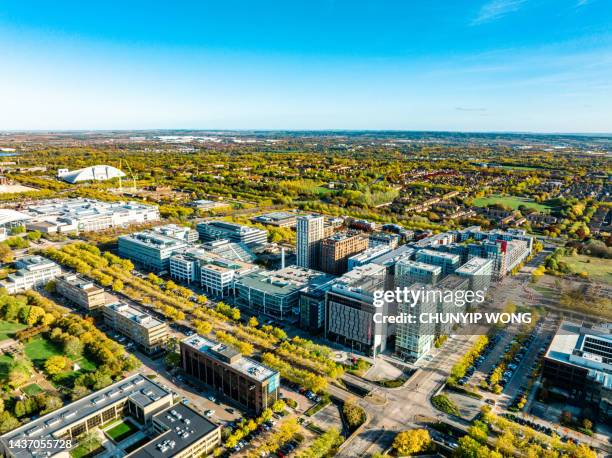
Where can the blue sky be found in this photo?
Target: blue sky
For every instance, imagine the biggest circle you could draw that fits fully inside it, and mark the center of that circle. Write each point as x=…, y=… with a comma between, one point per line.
x=479, y=65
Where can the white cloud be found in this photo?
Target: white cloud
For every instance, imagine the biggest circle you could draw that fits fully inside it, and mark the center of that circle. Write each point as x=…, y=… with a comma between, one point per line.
x=496, y=9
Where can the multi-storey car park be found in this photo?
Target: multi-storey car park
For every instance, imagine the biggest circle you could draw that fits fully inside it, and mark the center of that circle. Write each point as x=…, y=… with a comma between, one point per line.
x=174, y=429
x=146, y=331
x=249, y=383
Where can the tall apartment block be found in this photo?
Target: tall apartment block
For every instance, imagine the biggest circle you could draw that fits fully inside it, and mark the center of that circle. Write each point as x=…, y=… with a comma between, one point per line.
x=245, y=381
x=336, y=250
x=146, y=331
x=450, y=304
x=32, y=271
x=150, y=249
x=309, y=234
x=408, y=272
x=447, y=261
x=413, y=340
x=237, y=233
x=478, y=271
x=81, y=291
x=350, y=310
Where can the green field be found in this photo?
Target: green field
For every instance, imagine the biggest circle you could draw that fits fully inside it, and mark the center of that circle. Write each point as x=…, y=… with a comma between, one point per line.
x=40, y=349
x=7, y=330
x=512, y=202
x=32, y=389
x=121, y=431
x=5, y=363
x=599, y=270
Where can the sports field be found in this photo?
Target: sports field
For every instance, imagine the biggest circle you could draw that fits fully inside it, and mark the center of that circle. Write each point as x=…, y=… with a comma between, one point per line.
x=513, y=202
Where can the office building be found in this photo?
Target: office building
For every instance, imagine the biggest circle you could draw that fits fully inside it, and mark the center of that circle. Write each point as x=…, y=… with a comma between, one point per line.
x=137, y=397
x=277, y=219
x=230, y=250
x=408, y=272
x=414, y=340
x=336, y=250
x=150, y=249
x=275, y=293
x=184, y=233
x=11, y=218
x=367, y=256
x=478, y=271
x=350, y=309
x=245, y=381
x=308, y=240
x=578, y=366
x=146, y=331
x=82, y=215
x=447, y=261
x=312, y=303
x=81, y=291
x=383, y=238
x=237, y=233
x=32, y=271
x=215, y=274
x=180, y=432
x=506, y=255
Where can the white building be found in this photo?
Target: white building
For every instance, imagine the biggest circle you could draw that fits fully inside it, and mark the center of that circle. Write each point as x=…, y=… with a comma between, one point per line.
x=70, y=215
x=31, y=271
x=93, y=173
x=309, y=235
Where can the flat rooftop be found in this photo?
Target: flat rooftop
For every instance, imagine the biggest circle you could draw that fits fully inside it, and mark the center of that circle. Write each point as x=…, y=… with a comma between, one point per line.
x=80, y=282
x=143, y=319
x=184, y=427
x=421, y=266
x=440, y=254
x=138, y=388
x=153, y=239
x=401, y=252
x=281, y=282
x=222, y=352
x=473, y=265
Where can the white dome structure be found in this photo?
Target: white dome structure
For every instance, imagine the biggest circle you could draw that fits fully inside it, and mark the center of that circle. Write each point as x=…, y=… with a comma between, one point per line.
x=93, y=173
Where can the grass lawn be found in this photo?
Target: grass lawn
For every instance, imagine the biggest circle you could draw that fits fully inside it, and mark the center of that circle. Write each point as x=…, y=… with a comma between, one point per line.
x=7, y=330
x=32, y=389
x=5, y=363
x=121, y=431
x=512, y=202
x=39, y=349
x=598, y=269
x=545, y=291
x=88, y=447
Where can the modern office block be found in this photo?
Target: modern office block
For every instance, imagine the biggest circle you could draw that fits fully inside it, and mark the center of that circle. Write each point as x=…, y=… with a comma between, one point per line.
x=350, y=309
x=336, y=250
x=215, y=274
x=184, y=233
x=578, y=366
x=278, y=219
x=237, y=233
x=245, y=381
x=83, y=292
x=150, y=249
x=146, y=331
x=308, y=240
x=32, y=271
x=312, y=303
x=275, y=293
